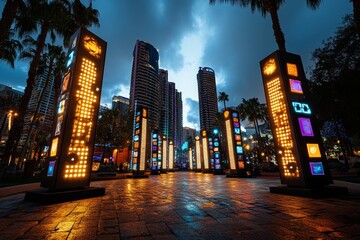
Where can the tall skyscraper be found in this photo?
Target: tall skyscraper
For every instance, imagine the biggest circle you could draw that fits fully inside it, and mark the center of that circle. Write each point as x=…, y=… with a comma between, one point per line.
x=145, y=83
x=172, y=111
x=164, y=102
x=208, y=105
x=121, y=103
x=179, y=120
x=46, y=105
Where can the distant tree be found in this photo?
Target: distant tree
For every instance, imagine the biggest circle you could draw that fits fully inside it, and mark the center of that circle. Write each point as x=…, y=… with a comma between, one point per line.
x=9, y=49
x=271, y=7
x=334, y=81
x=254, y=111
x=223, y=97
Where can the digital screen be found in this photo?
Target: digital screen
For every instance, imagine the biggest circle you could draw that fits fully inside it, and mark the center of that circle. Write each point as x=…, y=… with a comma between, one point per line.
x=234, y=114
x=301, y=108
x=239, y=149
x=216, y=144
x=136, y=138
x=305, y=127
x=313, y=150
x=235, y=120
x=51, y=168
x=154, y=148
x=217, y=155
x=236, y=124
x=137, y=125
x=237, y=130
x=295, y=86
x=58, y=125
x=292, y=69
x=154, y=135
x=317, y=168
x=237, y=137
x=65, y=84
x=53, y=149
x=61, y=106
x=241, y=164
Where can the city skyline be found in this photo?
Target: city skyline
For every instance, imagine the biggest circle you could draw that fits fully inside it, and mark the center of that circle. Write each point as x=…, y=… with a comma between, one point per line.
x=229, y=39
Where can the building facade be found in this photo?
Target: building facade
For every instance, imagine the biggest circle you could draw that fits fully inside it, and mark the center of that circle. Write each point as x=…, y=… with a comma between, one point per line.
x=145, y=83
x=164, y=102
x=121, y=103
x=208, y=105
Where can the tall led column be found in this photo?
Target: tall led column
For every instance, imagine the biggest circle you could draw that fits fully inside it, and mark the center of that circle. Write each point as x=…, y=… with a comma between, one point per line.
x=299, y=149
x=217, y=151
x=235, y=152
x=198, y=154
x=139, y=151
x=164, y=157
x=205, y=152
x=171, y=156
x=72, y=141
x=155, y=152
x=191, y=166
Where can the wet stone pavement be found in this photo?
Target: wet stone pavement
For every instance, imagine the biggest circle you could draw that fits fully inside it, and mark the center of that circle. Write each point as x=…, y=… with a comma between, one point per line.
x=183, y=205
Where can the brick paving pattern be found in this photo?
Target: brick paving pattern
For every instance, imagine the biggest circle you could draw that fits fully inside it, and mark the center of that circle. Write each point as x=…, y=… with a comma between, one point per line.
x=183, y=205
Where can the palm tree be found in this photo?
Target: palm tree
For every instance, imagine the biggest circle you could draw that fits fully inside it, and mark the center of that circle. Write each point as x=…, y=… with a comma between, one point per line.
x=271, y=7
x=8, y=16
x=50, y=17
x=223, y=97
x=9, y=49
x=253, y=111
x=356, y=10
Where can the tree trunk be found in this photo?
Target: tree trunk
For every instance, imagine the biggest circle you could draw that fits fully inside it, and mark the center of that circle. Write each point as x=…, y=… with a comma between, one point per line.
x=16, y=130
x=356, y=9
x=7, y=19
x=279, y=35
x=35, y=118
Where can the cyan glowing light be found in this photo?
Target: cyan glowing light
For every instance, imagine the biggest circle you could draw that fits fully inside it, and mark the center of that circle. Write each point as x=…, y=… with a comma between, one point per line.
x=215, y=131
x=71, y=58
x=301, y=108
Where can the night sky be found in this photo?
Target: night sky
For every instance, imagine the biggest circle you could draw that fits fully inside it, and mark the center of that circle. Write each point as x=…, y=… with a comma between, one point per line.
x=191, y=33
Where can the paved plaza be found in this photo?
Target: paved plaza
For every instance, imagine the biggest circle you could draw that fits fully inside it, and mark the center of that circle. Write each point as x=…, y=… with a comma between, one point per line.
x=184, y=205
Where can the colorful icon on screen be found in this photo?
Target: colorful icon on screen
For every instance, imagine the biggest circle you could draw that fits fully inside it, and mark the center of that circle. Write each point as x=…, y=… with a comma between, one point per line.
x=292, y=69
x=305, y=127
x=295, y=86
x=301, y=108
x=313, y=150
x=317, y=168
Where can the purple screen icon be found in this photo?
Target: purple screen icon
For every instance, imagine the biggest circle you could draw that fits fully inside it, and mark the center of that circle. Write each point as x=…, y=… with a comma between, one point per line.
x=295, y=86
x=305, y=127
x=317, y=168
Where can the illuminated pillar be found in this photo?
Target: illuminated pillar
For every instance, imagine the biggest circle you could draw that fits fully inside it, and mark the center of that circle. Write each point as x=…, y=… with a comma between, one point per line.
x=198, y=154
x=69, y=163
x=164, y=155
x=235, y=152
x=205, y=152
x=171, y=156
x=155, y=152
x=140, y=142
x=217, y=151
x=190, y=159
x=299, y=150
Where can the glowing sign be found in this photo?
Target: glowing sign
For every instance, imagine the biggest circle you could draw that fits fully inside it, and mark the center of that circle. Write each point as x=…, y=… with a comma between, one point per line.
x=51, y=168
x=313, y=150
x=54, y=146
x=229, y=137
x=239, y=150
x=269, y=67
x=61, y=107
x=65, y=83
x=198, y=152
x=164, y=154
x=92, y=46
x=171, y=155
x=70, y=59
x=301, y=108
x=205, y=148
x=305, y=127
x=143, y=145
x=295, y=86
x=292, y=69
x=317, y=168
x=278, y=111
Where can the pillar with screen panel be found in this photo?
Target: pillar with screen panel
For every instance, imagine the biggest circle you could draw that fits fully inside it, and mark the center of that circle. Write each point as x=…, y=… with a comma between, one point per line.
x=155, y=152
x=139, y=151
x=217, y=151
x=235, y=151
x=70, y=159
x=299, y=150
